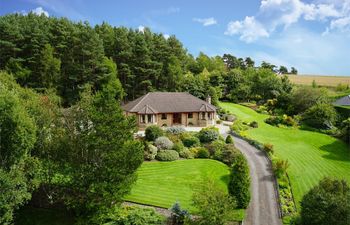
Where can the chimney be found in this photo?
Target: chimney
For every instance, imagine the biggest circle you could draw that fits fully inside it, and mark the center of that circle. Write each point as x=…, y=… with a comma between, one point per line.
x=208, y=99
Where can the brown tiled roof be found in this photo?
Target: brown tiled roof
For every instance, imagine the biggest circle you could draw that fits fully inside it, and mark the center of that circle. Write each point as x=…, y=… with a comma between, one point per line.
x=168, y=102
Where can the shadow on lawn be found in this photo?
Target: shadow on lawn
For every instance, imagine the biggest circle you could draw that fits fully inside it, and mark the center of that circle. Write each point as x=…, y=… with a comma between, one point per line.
x=337, y=150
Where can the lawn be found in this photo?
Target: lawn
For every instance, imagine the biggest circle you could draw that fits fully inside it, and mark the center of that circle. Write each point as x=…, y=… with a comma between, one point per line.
x=311, y=155
x=164, y=183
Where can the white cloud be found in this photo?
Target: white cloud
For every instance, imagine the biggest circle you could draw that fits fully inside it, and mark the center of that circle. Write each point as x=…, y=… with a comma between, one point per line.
x=275, y=13
x=141, y=28
x=39, y=11
x=206, y=21
x=166, y=36
x=249, y=29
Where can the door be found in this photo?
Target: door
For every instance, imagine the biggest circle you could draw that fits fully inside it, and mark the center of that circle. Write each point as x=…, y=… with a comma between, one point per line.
x=177, y=118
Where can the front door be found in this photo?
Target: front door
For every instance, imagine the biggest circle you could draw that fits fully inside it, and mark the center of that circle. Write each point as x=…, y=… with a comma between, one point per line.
x=177, y=118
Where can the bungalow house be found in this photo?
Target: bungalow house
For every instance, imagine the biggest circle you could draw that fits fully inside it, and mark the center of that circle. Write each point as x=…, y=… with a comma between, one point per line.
x=170, y=109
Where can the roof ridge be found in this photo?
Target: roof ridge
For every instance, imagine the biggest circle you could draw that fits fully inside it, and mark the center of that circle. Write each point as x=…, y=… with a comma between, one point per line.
x=140, y=101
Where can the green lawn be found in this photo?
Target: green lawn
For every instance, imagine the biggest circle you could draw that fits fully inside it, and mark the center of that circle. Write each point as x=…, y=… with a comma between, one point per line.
x=312, y=155
x=163, y=183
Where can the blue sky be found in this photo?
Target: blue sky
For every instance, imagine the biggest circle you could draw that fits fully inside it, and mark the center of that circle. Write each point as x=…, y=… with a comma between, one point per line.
x=313, y=36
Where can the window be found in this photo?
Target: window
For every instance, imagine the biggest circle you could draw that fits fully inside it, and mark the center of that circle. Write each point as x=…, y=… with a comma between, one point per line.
x=203, y=115
x=190, y=115
x=164, y=116
x=149, y=117
x=143, y=118
x=209, y=115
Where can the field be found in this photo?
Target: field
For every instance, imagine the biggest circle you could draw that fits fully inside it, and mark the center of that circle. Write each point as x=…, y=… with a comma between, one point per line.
x=331, y=81
x=163, y=183
x=311, y=155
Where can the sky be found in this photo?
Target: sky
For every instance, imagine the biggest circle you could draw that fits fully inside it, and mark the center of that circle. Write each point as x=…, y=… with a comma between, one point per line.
x=311, y=35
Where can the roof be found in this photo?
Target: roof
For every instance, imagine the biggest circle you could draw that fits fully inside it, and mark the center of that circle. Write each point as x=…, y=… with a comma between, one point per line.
x=343, y=101
x=168, y=102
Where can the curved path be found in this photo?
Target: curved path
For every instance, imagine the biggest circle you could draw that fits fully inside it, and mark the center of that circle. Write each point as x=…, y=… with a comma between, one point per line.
x=263, y=208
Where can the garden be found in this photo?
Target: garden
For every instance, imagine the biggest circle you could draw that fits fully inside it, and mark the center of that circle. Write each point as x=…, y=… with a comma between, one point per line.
x=177, y=162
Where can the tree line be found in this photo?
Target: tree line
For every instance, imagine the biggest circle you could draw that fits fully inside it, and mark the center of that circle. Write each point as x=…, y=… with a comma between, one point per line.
x=55, y=53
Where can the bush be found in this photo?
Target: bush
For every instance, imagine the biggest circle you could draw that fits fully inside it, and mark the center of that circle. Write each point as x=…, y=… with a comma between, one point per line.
x=175, y=130
x=153, y=132
x=229, y=139
x=150, y=151
x=240, y=181
x=208, y=134
x=228, y=154
x=321, y=116
x=273, y=120
x=178, y=215
x=167, y=155
x=280, y=167
x=268, y=148
x=163, y=143
x=215, y=148
x=326, y=203
x=191, y=141
x=202, y=153
x=178, y=146
x=186, y=154
x=253, y=124
x=238, y=126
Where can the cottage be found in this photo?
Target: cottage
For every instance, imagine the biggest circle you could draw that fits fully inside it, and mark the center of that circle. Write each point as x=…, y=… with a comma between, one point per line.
x=170, y=109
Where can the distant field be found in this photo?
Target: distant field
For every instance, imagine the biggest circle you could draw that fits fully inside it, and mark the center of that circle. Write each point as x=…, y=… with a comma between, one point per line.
x=320, y=80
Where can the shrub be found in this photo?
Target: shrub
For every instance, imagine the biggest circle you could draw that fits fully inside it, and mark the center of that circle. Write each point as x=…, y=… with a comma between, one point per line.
x=150, y=151
x=253, y=124
x=326, y=203
x=202, y=153
x=268, y=148
x=273, y=120
x=175, y=130
x=208, y=134
x=178, y=146
x=229, y=139
x=153, y=132
x=130, y=215
x=163, y=143
x=240, y=181
x=219, y=122
x=215, y=148
x=191, y=141
x=228, y=154
x=280, y=167
x=321, y=115
x=167, y=155
x=238, y=126
x=186, y=154
x=178, y=215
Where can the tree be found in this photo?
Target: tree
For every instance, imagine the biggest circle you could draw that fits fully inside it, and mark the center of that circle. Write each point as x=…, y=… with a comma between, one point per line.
x=50, y=68
x=249, y=62
x=345, y=130
x=267, y=65
x=326, y=203
x=213, y=204
x=293, y=71
x=240, y=181
x=18, y=170
x=283, y=70
x=321, y=115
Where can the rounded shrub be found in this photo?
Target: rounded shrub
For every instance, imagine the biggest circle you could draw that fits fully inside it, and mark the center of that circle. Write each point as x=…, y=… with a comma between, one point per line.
x=268, y=148
x=163, y=143
x=202, y=153
x=150, y=151
x=186, y=154
x=208, y=134
x=253, y=124
x=229, y=139
x=175, y=130
x=191, y=141
x=178, y=146
x=167, y=155
x=153, y=132
x=228, y=154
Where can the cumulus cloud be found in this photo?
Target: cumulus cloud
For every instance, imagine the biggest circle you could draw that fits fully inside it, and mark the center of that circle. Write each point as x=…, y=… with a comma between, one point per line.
x=206, y=21
x=249, y=29
x=141, y=28
x=39, y=11
x=283, y=13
